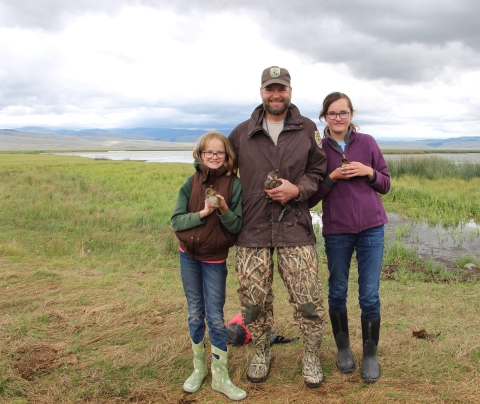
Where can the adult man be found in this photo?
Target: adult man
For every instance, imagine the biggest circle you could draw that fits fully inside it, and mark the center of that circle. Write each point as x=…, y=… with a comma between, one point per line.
x=277, y=138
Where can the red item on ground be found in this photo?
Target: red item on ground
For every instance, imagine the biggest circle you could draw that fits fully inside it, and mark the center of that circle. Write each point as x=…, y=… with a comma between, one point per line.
x=238, y=334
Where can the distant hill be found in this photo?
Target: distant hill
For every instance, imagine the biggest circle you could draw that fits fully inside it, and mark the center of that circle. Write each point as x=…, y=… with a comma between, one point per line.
x=38, y=138
x=160, y=134
x=92, y=139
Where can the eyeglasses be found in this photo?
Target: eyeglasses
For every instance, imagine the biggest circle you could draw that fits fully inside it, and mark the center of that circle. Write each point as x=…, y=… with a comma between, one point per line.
x=209, y=154
x=333, y=115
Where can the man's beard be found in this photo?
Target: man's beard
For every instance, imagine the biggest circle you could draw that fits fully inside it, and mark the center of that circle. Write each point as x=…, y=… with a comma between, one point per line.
x=279, y=110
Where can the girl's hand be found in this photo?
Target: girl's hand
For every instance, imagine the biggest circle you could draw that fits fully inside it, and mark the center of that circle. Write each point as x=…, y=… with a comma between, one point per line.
x=337, y=174
x=222, y=205
x=207, y=210
x=355, y=169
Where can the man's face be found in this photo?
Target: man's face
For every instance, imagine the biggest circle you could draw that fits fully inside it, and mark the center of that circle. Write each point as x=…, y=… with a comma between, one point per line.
x=276, y=98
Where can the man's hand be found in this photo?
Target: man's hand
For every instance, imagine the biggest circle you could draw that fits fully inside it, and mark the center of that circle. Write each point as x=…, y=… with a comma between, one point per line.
x=285, y=192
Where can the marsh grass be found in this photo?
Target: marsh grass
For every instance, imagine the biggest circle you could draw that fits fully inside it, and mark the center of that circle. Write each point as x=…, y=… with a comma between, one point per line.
x=446, y=201
x=432, y=167
x=92, y=309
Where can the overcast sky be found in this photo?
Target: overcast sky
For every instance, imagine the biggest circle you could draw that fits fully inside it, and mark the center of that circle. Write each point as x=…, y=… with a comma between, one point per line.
x=411, y=67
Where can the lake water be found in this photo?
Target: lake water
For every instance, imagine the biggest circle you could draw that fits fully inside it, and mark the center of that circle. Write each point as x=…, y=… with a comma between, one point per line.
x=168, y=156
x=160, y=156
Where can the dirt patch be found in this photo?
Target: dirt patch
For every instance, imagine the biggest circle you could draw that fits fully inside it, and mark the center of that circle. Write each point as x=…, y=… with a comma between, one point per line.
x=29, y=359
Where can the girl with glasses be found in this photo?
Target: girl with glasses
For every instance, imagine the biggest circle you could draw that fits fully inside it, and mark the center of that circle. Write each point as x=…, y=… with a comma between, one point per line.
x=206, y=219
x=353, y=220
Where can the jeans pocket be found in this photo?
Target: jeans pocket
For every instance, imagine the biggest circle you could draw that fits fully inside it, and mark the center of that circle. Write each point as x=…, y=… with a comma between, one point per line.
x=336, y=240
x=376, y=235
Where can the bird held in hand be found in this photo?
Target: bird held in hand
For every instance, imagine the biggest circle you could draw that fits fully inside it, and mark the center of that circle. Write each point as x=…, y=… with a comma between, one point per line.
x=272, y=182
x=210, y=195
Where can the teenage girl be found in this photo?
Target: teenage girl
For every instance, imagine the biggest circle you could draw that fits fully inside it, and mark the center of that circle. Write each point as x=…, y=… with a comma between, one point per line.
x=206, y=229
x=353, y=220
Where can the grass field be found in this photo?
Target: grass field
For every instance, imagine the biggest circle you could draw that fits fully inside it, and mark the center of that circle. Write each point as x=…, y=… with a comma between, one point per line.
x=92, y=308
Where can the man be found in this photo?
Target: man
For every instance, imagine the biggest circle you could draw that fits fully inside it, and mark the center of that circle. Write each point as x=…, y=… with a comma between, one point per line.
x=277, y=138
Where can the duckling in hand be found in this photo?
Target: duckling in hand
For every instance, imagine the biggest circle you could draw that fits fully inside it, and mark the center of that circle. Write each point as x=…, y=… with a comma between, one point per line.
x=271, y=182
x=210, y=195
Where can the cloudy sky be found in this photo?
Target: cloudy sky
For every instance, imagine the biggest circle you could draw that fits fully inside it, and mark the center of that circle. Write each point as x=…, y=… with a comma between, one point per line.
x=411, y=68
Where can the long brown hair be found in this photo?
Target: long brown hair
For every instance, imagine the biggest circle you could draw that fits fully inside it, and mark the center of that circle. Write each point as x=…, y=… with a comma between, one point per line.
x=330, y=99
x=230, y=158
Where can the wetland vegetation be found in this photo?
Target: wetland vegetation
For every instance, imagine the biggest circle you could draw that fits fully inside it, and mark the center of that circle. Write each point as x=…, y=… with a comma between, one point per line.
x=92, y=308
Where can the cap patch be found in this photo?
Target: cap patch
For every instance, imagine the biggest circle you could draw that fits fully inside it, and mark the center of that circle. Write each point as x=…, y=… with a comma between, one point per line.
x=318, y=139
x=275, y=71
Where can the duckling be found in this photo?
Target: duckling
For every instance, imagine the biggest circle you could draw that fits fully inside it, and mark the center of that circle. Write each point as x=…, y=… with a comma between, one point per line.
x=272, y=182
x=210, y=195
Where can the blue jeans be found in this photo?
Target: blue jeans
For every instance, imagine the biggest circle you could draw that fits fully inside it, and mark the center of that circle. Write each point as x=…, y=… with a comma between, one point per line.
x=204, y=286
x=369, y=245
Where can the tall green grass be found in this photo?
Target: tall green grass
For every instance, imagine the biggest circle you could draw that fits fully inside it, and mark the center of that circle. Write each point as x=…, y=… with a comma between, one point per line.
x=432, y=167
x=434, y=189
x=66, y=206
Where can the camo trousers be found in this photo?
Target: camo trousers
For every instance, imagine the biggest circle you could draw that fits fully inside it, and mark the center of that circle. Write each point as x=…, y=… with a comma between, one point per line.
x=298, y=268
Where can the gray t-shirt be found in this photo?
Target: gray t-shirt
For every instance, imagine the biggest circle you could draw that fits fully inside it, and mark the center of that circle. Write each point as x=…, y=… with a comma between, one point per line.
x=273, y=129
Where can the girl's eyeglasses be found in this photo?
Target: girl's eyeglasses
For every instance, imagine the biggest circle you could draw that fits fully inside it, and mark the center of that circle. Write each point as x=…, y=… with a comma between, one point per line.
x=333, y=115
x=209, y=154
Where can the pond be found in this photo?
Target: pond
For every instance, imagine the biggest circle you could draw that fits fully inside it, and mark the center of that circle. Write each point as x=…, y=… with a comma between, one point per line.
x=158, y=156
x=438, y=244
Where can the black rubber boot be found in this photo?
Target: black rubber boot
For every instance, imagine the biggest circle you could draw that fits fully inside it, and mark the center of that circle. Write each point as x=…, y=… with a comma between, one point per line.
x=370, y=366
x=339, y=320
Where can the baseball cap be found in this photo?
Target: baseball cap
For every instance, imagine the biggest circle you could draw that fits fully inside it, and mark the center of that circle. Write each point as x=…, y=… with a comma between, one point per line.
x=275, y=74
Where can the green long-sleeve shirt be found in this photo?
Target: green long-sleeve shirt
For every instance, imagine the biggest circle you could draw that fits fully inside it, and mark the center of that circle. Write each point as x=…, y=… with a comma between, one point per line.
x=182, y=219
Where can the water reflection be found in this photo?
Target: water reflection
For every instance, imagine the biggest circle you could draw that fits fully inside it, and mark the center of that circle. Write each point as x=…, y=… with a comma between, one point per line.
x=442, y=245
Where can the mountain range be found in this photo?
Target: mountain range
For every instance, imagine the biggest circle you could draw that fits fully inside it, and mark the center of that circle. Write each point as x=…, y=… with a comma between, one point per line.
x=38, y=138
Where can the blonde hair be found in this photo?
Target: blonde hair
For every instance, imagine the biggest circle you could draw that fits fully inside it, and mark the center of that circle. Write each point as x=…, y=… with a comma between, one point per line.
x=230, y=158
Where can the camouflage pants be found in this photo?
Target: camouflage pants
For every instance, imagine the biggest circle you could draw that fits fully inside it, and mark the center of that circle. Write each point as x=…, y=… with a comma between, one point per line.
x=298, y=268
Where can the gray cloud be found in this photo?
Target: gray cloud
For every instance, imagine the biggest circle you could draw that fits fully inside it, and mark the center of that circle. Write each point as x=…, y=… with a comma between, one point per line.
x=400, y=42
x=409, y=42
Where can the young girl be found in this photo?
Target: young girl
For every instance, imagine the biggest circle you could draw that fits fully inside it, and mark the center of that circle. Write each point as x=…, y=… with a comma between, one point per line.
x=353, y=219
x=206, y=229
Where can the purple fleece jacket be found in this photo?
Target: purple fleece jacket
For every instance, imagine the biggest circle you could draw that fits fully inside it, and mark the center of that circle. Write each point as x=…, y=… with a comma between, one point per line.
x=351, y=206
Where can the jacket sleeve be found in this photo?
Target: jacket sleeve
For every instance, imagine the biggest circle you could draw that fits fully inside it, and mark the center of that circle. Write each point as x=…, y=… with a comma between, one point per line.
x=323, y=190
x=182, y=219
x=315, y=170
x=232, y=218
x=382, y=180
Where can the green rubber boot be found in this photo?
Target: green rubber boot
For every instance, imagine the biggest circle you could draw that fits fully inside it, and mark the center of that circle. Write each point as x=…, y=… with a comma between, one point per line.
x=193, y=383
x=220, y=379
